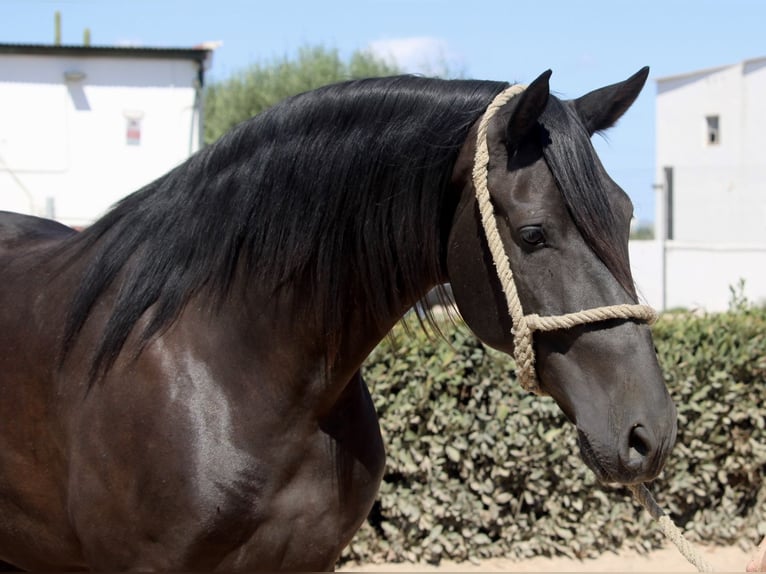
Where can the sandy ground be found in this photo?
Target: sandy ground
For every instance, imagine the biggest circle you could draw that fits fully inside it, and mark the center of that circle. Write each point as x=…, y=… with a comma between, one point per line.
x=722, y=559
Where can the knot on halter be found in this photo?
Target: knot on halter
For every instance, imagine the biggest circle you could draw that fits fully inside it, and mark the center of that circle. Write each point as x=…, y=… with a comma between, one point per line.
x=525, y=325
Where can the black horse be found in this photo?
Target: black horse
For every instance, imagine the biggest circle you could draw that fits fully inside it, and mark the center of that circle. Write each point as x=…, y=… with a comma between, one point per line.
x=180, y=383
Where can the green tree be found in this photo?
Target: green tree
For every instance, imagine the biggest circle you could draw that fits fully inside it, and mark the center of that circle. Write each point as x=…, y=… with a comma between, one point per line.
x=263, y=84
x=643, y=231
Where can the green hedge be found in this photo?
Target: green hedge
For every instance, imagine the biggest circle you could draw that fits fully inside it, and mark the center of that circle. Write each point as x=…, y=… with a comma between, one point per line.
x=478, y=468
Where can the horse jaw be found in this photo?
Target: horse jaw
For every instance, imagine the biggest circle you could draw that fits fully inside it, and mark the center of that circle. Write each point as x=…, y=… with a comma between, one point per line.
x=625, y=419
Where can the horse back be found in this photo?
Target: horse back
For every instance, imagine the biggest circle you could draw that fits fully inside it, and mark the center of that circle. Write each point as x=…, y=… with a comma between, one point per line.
x=18, y=230
x=35, y=287
x=33, y=465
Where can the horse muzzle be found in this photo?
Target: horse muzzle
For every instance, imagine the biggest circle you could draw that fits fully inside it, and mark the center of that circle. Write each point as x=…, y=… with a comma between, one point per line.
x=638, y=456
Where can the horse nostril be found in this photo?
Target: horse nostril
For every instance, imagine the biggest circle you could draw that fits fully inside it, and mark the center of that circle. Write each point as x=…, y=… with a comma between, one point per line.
x=639, y=444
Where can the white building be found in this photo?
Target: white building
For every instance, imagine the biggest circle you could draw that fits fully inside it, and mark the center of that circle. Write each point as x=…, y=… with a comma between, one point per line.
x=81, y=126
x=710, y=209
x=711, y=153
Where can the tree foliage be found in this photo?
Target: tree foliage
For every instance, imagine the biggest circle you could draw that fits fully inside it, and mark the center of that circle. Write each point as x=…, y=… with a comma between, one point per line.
x=643, y=231
x=263, y=84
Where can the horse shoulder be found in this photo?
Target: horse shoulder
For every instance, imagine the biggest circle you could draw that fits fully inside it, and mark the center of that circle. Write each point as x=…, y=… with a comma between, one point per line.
x=201, y=464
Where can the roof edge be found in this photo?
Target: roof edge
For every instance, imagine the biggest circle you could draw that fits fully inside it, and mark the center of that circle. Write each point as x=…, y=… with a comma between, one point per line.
x=197, y=53
x=711, y=70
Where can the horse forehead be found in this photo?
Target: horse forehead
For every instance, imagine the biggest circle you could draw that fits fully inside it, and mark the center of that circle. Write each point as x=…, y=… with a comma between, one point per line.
x=525, y=176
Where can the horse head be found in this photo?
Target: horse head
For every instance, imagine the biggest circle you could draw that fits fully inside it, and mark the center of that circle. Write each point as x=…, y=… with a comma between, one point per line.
x=563, y=225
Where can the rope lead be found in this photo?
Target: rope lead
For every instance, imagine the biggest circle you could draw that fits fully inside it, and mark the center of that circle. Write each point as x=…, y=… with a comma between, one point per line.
x=669, y=529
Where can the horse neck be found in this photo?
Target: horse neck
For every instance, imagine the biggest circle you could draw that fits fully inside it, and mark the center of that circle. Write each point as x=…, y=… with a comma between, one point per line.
x=348, y=336
x=292, y=352
x=361, y=311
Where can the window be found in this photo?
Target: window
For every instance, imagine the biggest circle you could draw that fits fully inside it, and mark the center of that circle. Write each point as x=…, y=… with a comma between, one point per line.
x=713, y=133
x=133, y=127
x=133, y=132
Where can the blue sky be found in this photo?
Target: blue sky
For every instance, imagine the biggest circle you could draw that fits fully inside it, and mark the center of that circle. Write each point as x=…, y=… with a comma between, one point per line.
x=587, y=43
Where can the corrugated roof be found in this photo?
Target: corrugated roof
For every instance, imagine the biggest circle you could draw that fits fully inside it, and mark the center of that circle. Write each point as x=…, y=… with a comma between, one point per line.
x=705, y=71
x=197, y=53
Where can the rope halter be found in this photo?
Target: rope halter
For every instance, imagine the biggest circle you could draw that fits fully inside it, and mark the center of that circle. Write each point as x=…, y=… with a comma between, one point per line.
x=525, y=325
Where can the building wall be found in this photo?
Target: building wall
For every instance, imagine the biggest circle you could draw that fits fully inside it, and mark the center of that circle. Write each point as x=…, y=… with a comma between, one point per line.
x=719, y=191
x=697, y=275
x=70, y=149
x=718, y=239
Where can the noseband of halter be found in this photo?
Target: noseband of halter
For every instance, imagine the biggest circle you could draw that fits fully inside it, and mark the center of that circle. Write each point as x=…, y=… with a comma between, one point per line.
x=525, y=325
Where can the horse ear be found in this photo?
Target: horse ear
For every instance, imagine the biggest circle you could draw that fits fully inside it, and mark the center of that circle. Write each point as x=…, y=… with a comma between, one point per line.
x=600, y=109
x=532, y=102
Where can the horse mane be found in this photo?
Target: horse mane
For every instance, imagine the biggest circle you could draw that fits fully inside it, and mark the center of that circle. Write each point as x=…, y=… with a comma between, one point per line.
x=339, y=190
x=335, y=190
x=585, y=185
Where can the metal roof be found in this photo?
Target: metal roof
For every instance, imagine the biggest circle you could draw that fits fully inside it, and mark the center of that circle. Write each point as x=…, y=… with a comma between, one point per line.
x=711, y=70
x=197, y=53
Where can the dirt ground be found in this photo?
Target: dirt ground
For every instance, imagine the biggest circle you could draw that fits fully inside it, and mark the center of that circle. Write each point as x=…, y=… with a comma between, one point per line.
x=722, y=559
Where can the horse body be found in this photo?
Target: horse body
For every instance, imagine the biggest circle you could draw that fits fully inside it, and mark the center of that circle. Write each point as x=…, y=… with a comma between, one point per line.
x=200, y=477
x=32, y=449
x=180, y=384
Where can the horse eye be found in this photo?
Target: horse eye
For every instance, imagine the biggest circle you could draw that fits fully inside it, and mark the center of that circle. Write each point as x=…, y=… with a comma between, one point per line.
x=533, y=235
